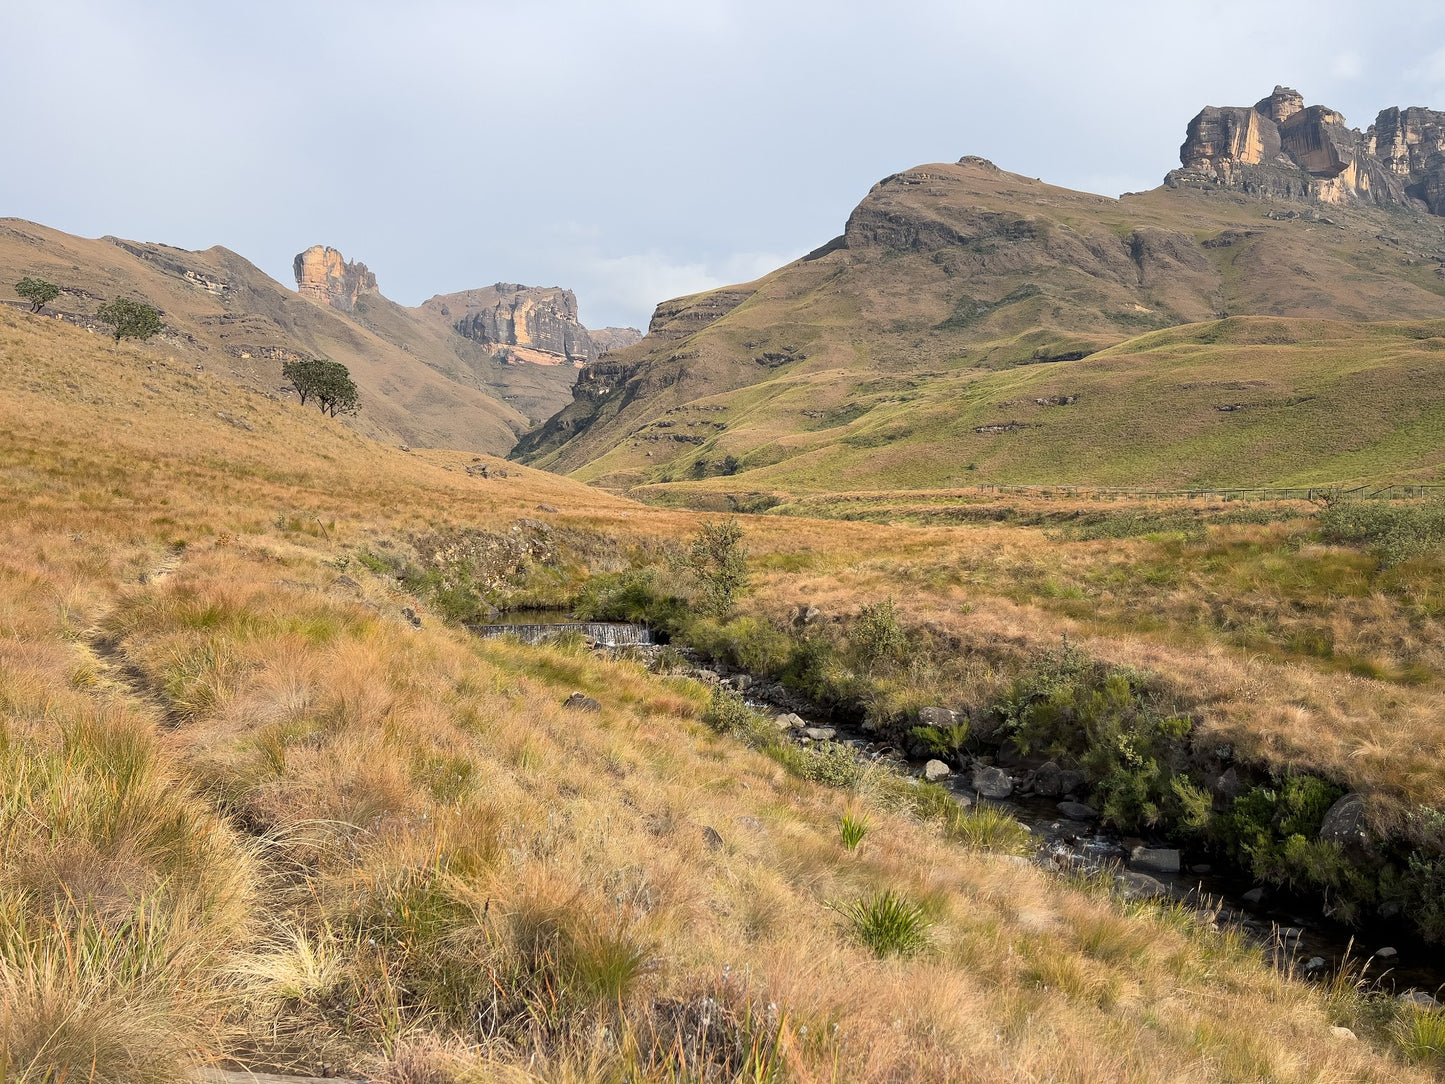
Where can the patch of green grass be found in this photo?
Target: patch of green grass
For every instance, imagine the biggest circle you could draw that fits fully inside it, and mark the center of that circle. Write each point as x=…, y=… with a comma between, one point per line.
x=889, y=924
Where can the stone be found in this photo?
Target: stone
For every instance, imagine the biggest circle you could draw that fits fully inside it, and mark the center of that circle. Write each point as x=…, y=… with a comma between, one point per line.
x=1386, y=953
x=790, y=721
x=581, y=702
x=751, y=822
x=345, y=583
x=936, y=717
x=1418, y=999
x=707, y=677
x=820, y=733
x=1344, y=823
x=1048, y=780
x=1201, y=868
x=1009, y=755
x=1155, y=859
x=1254, y=897
x=936, y=770
x=1078, y=811
x=711, y=837
x=1314, y=963
x=1139, y=886
x=1071, y=781
x=989, y=782
x=411, y=616
x=324, y=274
x=1342, y=1033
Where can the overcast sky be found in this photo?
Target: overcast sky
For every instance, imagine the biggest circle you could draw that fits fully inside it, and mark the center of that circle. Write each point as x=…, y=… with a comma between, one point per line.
x=632, y=150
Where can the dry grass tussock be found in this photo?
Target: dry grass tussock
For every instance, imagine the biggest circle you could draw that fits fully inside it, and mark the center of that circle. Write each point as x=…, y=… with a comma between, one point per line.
x=248, y=810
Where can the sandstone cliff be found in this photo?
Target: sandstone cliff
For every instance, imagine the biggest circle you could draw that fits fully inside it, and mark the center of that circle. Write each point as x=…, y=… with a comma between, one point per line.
x=324, y=274
x=537, y=323
x=1279, y=148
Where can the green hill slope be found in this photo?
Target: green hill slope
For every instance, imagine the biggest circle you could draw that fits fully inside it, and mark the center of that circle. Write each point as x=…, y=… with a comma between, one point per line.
x=917, y=343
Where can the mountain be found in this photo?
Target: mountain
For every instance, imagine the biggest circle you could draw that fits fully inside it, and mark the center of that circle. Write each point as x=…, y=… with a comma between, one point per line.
x=521, y=344
x=421, y=381
x=1268, y=314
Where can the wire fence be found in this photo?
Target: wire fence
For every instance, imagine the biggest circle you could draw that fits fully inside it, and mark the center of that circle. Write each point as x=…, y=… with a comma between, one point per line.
x=1315, y=493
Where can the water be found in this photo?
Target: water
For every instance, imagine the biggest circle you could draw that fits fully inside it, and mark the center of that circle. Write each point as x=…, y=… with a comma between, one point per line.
x=535, y=626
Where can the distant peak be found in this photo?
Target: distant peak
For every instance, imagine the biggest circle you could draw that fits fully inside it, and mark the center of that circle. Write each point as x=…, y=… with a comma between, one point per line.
x=323, y=273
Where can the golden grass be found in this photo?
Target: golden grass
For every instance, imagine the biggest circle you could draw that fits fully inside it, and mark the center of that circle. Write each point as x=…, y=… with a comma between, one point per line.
x=352, y=842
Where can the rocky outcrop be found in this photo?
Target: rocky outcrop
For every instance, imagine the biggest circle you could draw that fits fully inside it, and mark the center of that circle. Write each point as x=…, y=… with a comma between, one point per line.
x=1280, y=148
x=614, y=338
x=326, y=275
x=527, y=318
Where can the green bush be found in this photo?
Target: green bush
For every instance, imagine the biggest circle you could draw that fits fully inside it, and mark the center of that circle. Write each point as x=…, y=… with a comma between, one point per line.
x=1274, y=832
x=1394, y=532
x=1111, y=722
x=852, y=827
x=876, y=638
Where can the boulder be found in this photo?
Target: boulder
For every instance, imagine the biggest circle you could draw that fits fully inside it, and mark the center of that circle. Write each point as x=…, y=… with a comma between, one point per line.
x=790, y=721
x=938, y=717
x=1255, y=896
x=711, y=838
x=1344, y=1034
x=1078, y=811
x=1345, y=822
x=1048, y=780
x=1155, y=859
x=580, y=702
x=1071, y=781
x=1139, y=886
x=936, y=770
x=990, y=782
x=820, y=733
x=1418, y=999
x=1386, y=953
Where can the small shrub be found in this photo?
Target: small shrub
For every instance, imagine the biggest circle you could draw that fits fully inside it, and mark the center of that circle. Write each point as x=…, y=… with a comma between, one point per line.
x=853, y=827
x=718, y=560
x=877, y=637
x=829, y=764
x=987, y=828
x=1395, y=533
x=1420, y=1034
x=888, y=924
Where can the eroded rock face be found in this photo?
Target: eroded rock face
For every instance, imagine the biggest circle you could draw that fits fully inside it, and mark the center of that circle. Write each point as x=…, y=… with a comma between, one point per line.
x=323, y=273
x=1280, y=148
x=541, y=319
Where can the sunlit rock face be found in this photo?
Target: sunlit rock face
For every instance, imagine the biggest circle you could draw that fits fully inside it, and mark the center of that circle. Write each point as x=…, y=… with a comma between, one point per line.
x=326, y=275
x=1281, y=148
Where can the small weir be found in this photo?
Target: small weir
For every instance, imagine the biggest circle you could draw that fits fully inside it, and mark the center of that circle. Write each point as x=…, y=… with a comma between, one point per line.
x=602, y=633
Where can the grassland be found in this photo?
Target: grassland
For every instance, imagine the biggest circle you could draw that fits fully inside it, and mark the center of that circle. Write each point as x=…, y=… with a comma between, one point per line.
x=251, y=812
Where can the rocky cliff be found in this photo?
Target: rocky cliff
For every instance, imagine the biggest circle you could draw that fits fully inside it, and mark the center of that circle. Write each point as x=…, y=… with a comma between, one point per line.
x=1280, y=148
x=326, y=275
x=529, y=320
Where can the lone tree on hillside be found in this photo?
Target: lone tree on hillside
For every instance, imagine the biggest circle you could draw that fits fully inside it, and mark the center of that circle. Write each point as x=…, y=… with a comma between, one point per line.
x=130, y=319
x=328, y=381
x=716, y=557
x=37, y=291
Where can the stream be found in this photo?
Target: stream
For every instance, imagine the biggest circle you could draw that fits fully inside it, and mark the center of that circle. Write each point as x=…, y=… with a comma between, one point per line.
x=1289, y=927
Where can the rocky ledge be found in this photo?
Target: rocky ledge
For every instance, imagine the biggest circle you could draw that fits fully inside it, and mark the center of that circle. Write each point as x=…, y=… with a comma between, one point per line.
x=1280, y=148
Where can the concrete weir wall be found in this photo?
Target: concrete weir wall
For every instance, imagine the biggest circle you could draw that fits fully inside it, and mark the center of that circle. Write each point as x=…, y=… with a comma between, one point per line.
x=603, y=633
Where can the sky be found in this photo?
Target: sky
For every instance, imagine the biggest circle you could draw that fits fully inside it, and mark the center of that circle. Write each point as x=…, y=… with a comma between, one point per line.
x=632, y=150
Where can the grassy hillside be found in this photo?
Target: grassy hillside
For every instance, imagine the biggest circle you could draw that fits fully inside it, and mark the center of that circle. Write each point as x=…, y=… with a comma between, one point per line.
x=253, y=811
x=420, y=384
x=1175, y=336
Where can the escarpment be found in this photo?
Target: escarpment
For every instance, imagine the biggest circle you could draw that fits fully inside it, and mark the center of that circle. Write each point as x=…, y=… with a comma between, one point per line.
x=1280, y=148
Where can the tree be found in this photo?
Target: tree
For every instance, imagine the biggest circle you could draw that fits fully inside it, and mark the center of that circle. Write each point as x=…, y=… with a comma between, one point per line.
x=130, y=319
x=329, y=382
x=37, y=291
x=716, y=557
